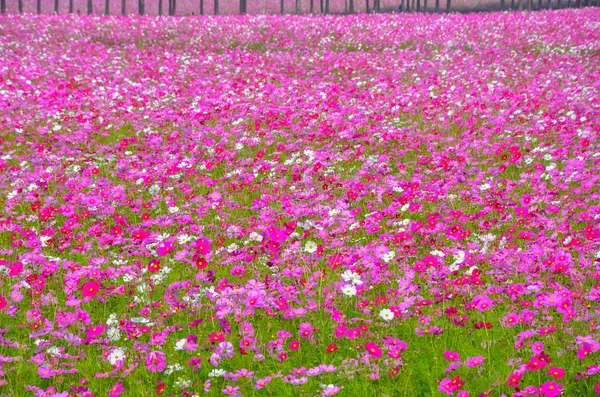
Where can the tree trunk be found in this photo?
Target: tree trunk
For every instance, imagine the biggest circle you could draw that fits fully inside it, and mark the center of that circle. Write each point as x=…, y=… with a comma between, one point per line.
x=70, y=6
x=297, y=7
x=312, y=6
x=123, y=7
x=326, y=6
x=90, y=8
x=281, y=7
x=201, y=7
x=578, y=3
x=20, y=5
x=2, y=6
x=425, y=6
x=539, y=4
x=55, y=7
x=418, y=5
x=351, y=6
x=569, y=4
x=321, y=6
x=501, y=5
x=529, y=5
x=520, y=5
x=107, y=7
x=437, y=5
x=216, y=7
x=448, y=5
x=174, y=7
x=160, y=7
x=141, y=7
x=39, y=7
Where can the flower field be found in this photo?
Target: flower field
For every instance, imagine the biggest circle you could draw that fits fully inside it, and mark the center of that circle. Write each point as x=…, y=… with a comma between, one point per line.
x=369, y=205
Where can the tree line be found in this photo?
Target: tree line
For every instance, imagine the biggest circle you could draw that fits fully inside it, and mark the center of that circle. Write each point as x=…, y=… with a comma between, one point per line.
x=169, y=7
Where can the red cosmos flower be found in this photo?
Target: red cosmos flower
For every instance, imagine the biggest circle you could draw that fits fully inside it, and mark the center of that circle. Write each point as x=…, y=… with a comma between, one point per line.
x=331, y=348
x=2, y=302
x=555, y=372
x=160, y=387
x=90, y=289
x=201, y=263
x=535, y=363
x=283, y=357
x=154, y=265
x=514, y=379
x=373, y=349
x=294, y=345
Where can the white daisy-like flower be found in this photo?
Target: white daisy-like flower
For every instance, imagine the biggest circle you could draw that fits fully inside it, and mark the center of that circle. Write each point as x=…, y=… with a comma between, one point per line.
x=389, y=256
x=459, y=257
x=184, y=238
x=386, y=314
x=181, y=344
x=215, y=373
x=349, y=290
x=255, y=237
x=116, y=355
x=352, y=277
x=310, y=247
x=113, y=334
x=53, y=350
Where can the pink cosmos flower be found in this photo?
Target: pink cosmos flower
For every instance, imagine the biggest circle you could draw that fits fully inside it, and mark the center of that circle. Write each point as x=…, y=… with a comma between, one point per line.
x=451, y=356
x=306, y=330
x=262, y=382
x=203, y=246
x=474, y=361
x=156, y=361
x=551, y=389
x=555, y=372
x=373, y=349
x=116, y=390
x=90, y=289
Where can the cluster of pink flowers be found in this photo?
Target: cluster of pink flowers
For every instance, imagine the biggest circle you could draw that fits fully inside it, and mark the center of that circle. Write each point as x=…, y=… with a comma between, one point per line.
x=301, y=205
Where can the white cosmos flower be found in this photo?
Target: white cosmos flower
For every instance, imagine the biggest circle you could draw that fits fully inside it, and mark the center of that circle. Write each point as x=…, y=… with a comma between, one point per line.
x=116, y=355
x=459, y=257
x=389, y=256
x=113, y=334
x=386, y=314
x=256, y=237
x=216, y=373
x=112, y=319
x=349, y=290
x=53, y=350
x=352, y=277
x=181, y=344
x=310, y=247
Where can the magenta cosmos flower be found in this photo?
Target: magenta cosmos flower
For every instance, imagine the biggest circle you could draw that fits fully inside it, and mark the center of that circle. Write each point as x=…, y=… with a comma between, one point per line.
x=373, y=349
x=90, y=289
x=156, y=361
